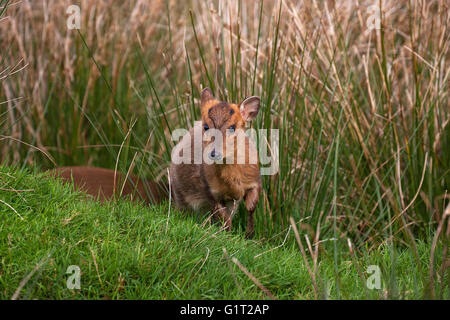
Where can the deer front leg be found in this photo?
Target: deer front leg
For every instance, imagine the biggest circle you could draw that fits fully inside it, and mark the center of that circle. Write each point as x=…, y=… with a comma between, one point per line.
x=251, y=200
x=221, y=212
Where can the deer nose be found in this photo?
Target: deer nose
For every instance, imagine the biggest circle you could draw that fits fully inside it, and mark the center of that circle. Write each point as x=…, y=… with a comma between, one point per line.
x=215, y=155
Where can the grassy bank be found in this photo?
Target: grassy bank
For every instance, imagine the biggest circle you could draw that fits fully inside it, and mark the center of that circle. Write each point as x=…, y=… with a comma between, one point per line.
x=128, y=251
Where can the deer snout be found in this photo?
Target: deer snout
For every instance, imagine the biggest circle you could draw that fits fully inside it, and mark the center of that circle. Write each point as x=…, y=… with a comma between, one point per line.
x=215, y=155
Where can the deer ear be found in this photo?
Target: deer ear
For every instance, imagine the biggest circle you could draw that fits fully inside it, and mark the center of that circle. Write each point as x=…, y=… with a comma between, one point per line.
x=206, y=95
x=249, y=108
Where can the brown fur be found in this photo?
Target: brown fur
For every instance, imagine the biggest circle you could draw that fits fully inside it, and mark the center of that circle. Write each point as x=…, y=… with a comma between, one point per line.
x=99, y=182
x=218, y=187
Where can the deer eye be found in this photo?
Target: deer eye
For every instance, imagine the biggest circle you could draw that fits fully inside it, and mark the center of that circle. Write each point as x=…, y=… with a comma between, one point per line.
x=232, y=128
x=205, y=126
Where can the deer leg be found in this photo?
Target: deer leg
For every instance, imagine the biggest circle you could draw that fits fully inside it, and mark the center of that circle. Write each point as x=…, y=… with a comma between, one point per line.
x=221, y=212
x=251, y=200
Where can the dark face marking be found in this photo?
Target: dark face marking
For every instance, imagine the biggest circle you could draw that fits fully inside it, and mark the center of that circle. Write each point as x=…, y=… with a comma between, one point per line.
x=220, y=114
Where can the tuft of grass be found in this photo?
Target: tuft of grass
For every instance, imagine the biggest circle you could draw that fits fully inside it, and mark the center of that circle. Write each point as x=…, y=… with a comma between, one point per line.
x=127, y=251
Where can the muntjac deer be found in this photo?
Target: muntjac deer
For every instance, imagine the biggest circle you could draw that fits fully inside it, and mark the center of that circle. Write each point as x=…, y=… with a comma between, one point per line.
x=223, y=175
x=105, y=184
x=219, y=185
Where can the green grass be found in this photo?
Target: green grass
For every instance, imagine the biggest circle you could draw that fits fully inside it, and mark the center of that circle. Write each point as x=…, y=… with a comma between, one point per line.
x=128, y=251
